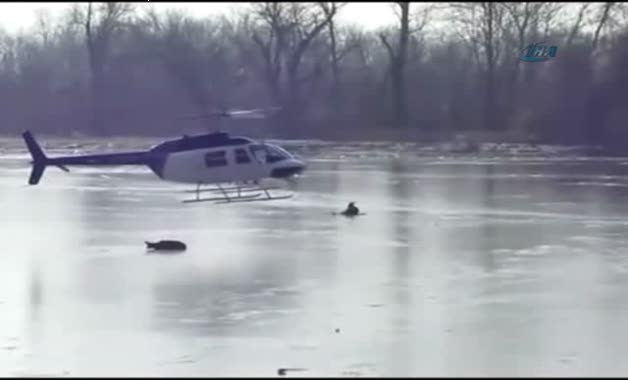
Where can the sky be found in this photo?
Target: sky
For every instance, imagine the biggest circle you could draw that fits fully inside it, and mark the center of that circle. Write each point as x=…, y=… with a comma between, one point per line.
x=16, y=16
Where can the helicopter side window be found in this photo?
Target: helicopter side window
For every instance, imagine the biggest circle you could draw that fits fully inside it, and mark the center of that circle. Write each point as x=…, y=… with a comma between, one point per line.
x=242, y=157
x=214, y=159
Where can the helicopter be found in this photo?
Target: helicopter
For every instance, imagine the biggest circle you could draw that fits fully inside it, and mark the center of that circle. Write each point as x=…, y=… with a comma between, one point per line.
x=235, y=165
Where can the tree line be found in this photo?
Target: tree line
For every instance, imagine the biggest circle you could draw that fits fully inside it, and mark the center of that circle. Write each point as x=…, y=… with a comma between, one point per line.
x=111, y=68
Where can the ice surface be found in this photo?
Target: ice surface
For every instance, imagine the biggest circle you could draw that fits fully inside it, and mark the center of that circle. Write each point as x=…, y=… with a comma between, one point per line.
x=464, y=265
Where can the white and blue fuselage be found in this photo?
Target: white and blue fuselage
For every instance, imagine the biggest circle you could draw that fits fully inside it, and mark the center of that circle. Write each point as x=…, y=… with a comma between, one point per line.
x=203, y=159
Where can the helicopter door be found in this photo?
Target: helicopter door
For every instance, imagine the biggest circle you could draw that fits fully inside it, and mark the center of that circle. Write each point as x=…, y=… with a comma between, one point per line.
x=259, y=153
x=242, y=157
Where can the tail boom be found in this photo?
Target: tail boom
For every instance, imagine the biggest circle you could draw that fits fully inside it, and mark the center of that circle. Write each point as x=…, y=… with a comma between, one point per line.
x=40, y=160
x=130, y=158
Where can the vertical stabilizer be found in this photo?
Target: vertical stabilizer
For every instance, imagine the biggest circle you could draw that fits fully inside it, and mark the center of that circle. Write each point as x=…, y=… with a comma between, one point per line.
x=39, y=158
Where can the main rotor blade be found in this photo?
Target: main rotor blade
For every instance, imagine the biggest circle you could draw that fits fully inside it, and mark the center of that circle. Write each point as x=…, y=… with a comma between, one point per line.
x=257, y=113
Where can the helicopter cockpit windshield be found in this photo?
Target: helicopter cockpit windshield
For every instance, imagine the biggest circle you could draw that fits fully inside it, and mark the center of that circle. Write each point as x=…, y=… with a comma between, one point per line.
x=267, y=153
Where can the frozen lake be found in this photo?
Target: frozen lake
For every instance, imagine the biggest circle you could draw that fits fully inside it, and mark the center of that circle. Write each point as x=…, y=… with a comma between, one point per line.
x=463, y=266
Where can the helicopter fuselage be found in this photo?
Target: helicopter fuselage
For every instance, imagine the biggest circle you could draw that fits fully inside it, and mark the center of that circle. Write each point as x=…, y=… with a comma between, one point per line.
x=236, y=163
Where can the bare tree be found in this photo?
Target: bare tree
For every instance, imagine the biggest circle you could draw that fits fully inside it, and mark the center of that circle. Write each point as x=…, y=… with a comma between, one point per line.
x=491, y=17
x=398, y=56
x=482, y=25
x=307, y=22
x=341, y=42
x=181, y=58
x=602, y=21
x=290, y=31
x=8, y=64
x=524, y=18
x=329, y=9
x=548, y=17
x=100, y=23
x=43, y=25
x=575, y=29
x=273, y=18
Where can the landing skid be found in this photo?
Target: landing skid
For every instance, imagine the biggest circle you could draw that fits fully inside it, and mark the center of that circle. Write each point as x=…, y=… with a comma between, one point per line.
x=227, y=189
x=218, y=200
x=235, y=194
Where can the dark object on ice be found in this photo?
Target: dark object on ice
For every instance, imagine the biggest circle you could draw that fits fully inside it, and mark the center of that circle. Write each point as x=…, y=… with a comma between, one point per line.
x=282, y=371
x=337, y=331
x=351, y=210
x=166, y=245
